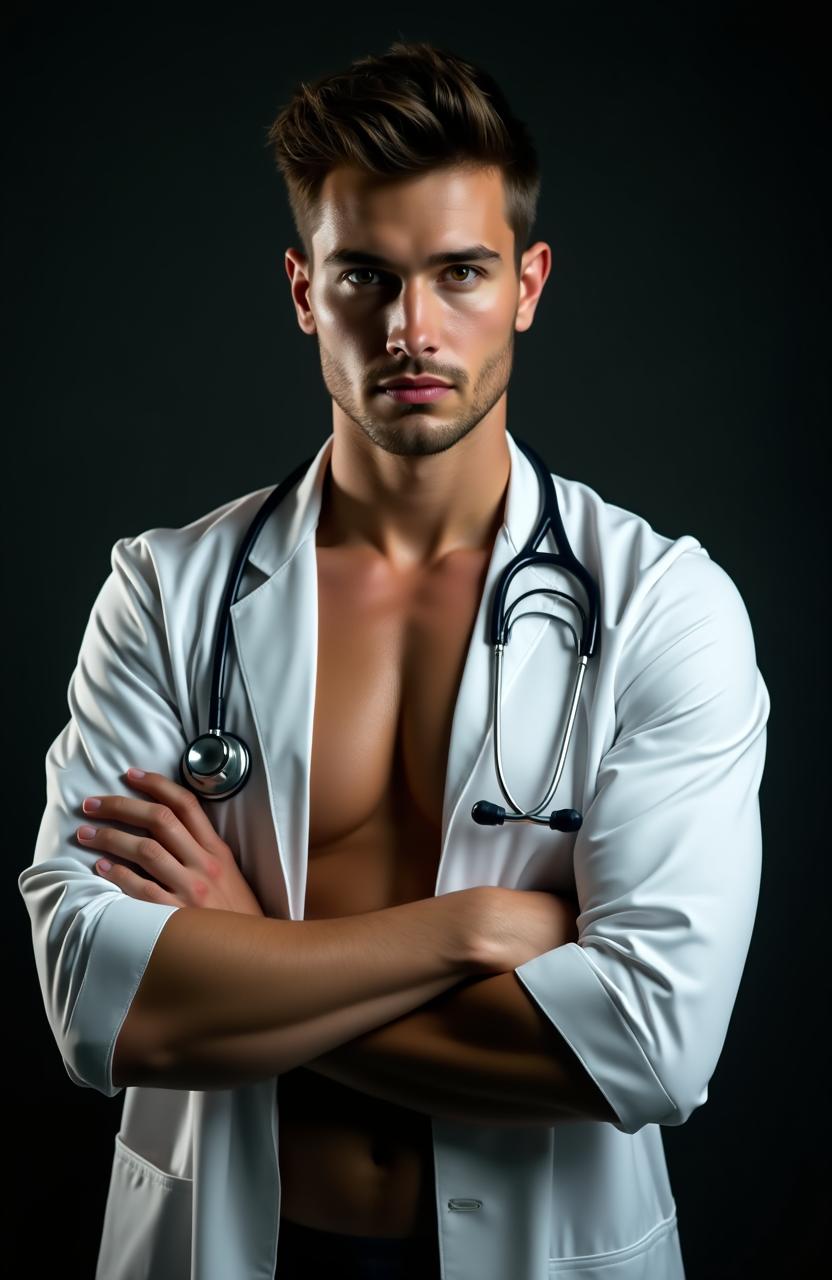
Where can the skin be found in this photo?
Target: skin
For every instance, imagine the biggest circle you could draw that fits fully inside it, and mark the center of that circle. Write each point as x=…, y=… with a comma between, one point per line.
x=391, y=491
x=391, y=497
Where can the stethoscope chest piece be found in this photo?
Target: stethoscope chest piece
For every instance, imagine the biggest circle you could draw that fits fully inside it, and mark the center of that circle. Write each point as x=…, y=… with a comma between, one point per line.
x=215, y=764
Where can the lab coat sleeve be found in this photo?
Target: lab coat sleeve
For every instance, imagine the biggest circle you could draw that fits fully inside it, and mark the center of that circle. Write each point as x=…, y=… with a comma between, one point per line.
x=668, y=859
x=91, y=941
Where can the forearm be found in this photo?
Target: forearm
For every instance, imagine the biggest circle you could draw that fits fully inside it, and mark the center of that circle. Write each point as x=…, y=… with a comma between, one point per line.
x=482, y=1053
x=227, y=998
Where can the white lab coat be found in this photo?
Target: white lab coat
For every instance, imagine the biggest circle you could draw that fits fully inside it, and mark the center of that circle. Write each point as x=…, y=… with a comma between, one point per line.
x=665, y=764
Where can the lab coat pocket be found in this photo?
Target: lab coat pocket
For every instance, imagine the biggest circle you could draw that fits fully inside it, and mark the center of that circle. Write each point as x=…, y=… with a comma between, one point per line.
x=146, y=1233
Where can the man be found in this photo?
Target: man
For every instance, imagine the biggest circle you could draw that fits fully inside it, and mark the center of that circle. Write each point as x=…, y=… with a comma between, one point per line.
x=357, y=1030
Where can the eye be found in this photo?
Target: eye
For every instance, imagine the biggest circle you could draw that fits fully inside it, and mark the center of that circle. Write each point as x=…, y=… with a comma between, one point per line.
x=456, y=266
x=352, y=283
x=463, y=266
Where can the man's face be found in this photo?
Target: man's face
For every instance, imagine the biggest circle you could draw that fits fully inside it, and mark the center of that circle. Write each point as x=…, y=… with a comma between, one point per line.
x=376, y=321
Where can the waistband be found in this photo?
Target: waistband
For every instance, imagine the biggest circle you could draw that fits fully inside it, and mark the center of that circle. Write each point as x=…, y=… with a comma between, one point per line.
x=333, y=1245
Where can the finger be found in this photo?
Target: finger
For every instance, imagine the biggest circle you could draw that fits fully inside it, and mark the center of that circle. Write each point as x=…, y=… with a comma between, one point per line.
x=142, y=851
x=184, y=803
x=136, y=886
x=160, y=820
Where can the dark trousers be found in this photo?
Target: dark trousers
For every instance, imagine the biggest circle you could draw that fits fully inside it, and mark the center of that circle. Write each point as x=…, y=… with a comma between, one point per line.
x=305, y=1254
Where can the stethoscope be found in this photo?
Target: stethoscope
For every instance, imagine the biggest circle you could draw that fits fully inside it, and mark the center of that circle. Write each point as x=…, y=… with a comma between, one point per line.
x=217, y=764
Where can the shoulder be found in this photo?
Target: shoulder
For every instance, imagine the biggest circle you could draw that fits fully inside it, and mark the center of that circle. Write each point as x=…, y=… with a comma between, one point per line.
x=180, y=556
x=208, y=533
x=665, y=603
x=638, y=568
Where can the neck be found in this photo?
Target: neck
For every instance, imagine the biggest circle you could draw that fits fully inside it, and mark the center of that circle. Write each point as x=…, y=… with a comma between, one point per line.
x=414, y=511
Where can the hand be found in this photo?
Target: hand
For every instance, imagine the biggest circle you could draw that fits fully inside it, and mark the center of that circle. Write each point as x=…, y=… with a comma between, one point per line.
x=515, y=925
x=189, y=864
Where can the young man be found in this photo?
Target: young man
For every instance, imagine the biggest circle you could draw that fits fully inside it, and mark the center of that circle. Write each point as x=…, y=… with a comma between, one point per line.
x=356, y=1028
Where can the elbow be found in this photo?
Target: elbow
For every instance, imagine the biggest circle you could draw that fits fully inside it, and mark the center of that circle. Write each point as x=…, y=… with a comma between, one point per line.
x=86, y=1065
x=655, y=1097
x=679, y=1096
x=685, y=1102
x=685, y=1068
x=133, y=1061
x=104, y=1032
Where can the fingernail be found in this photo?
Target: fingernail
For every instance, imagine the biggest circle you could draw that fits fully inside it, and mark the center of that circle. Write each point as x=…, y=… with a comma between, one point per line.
x=86, y=833
x=103, y=864
x=135, y=773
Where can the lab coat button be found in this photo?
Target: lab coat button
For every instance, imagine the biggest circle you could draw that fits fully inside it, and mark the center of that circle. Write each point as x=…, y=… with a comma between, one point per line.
x=465, y=1206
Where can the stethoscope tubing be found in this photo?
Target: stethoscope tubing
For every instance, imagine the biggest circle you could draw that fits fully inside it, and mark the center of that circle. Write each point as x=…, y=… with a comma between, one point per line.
x=500, y=630
x=217, y=763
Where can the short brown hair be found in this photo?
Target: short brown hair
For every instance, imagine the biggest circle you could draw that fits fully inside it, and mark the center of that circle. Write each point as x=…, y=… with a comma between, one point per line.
x=414, y=109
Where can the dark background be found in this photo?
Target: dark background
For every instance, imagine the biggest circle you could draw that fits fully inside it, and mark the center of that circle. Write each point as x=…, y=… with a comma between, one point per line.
x=155, y=369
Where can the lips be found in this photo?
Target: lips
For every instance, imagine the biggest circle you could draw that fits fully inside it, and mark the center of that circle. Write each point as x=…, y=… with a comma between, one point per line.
x=416, y=394
x=409, y=384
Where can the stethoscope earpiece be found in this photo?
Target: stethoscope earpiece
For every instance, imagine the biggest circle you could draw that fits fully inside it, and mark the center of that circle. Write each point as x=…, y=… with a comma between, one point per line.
x=487, y=814
x=484, y=812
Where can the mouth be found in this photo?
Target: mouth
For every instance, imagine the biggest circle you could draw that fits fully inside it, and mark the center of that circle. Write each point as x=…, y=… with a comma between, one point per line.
x=415, y=394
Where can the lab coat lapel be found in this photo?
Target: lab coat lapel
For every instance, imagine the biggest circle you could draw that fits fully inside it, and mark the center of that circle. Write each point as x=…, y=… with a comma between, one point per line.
x=275, y=630
x=472, y=730
x=276, y=639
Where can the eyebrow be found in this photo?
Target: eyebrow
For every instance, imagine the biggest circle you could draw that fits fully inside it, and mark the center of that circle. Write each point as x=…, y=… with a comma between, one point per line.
x=476, y=253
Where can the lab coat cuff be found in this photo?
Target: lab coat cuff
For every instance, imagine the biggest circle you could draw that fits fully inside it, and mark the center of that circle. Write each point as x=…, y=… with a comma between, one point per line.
x=567, y=988
x=125, y=936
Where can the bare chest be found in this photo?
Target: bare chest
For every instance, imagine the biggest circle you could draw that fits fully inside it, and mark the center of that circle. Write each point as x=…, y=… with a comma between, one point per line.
x=391, y=651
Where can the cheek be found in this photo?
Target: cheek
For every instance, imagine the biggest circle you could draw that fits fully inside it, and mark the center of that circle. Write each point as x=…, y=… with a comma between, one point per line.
x=476, y=327
x=350, y=325
x=323, y=308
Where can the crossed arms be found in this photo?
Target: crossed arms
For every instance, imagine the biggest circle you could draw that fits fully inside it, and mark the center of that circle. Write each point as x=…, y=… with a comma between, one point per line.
x=482, y=1052
x=667, y=870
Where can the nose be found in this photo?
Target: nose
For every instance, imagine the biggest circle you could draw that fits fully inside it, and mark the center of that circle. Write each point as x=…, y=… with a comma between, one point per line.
x=413, y=326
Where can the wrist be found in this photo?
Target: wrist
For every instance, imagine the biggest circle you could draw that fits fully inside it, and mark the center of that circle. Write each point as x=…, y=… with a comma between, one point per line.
x=462, y=931
x=484, y=953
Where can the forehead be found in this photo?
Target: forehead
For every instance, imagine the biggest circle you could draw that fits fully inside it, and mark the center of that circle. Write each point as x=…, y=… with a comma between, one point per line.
x=400, y=216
